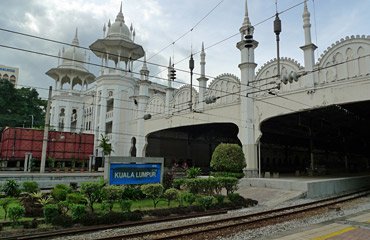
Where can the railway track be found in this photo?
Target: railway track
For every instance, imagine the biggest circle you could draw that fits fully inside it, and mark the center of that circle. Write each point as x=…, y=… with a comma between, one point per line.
x=249, y=221
x=208, y=227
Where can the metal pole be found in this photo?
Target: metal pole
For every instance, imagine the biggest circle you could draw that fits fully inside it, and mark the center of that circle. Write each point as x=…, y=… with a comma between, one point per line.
x=191, y=67
x=31, y=121
x=259, y=158
x=46, y=133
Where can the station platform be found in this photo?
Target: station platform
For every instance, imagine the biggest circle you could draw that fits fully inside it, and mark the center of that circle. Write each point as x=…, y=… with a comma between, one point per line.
x=49, y=180
x=312, y=187
x=353, y=227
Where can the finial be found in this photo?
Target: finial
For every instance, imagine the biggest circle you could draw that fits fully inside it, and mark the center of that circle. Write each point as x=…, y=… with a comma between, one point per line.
x=120, y=17
x=170, y=63
x=202, y=46
x=247, y=25
x=109, y=23
x=75, y=40
x=120, y=9
x=131, y=28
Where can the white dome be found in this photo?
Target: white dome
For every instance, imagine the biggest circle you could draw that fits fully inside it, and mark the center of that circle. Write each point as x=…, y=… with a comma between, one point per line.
x=74, y=55
x=119, y=30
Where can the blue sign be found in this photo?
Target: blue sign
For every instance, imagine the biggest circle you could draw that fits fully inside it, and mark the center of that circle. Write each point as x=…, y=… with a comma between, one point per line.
x=121, y=173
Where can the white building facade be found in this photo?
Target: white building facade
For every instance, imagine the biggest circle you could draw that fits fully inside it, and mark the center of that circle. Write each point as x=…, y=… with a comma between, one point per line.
x=127, y=108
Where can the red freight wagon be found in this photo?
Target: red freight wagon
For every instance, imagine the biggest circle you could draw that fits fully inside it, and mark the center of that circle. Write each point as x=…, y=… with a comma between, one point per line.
x=16, y=142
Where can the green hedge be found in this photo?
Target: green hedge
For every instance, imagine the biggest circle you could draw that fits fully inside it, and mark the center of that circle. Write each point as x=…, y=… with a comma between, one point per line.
x=208, y=186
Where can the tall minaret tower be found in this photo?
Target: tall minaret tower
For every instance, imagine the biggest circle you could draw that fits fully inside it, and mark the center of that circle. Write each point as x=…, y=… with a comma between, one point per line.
x=202, y=79
x=247, y=74
x=308, y=48
x=115, y=87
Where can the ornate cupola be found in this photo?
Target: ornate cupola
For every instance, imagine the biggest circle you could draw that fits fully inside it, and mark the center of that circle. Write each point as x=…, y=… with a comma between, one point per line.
x=118, y=44
x=72, y=70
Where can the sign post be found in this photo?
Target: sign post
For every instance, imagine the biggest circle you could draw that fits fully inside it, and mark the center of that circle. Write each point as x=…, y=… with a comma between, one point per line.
x=133, y=171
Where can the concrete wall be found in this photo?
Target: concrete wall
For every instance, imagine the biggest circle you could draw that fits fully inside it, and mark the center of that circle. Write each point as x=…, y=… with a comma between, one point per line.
x=52, y=179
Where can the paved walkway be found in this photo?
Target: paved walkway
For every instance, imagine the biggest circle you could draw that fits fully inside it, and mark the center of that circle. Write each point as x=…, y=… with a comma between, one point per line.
x=267, y=196
x=352, y=228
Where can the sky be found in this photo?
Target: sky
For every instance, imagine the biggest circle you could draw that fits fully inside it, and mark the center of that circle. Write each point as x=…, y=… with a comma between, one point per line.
x=159, y=23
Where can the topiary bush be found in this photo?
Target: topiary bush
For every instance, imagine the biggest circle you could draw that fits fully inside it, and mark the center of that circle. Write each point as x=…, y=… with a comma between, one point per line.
x=60, y=191
x=30, y=187
x=133, y=193
x=50, y=211
x=206, y=202
x=171, y=194
x=78, y=211
x=153, y=191
x=11, y=188
x=15, y=213
x=189, y=197
x=76, y=198
x=111, y=194
x=93, y=192
x=125, y=205
x=228, y=158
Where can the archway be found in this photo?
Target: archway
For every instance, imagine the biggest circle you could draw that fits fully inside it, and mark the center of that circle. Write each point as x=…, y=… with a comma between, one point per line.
x=191, y=145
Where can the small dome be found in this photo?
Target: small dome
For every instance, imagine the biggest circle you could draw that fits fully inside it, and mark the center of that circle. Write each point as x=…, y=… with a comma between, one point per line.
x=74, y=55
x=119, y=29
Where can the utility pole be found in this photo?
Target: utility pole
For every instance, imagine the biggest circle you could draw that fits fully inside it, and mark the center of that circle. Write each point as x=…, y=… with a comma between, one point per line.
x=46, y=133
x=191, y=67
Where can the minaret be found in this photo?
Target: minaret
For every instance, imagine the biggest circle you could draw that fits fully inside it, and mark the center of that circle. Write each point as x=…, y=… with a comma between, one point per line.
x=247, y=75
x=169, y=89
x=142, y=100
x=202, y=79
x=308, y=48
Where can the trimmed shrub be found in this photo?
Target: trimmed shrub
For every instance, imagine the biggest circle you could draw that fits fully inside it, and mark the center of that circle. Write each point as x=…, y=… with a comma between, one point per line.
x=111, y=194
x=4, y=203
x=125, y=205
x=227, y=174
x=171, y=194
x=133, y=193
x=30, y=187
x=15, y=213
x=153, y=191
x=76, y=198
x=193, y=172
x=60, y=191
x=93, y=192
x=206, y=202
x=78, y=211
x=11, y=188
x=50, y=212
x=89, y=219
x=189, y=198
x=178, y=183
x=220, y=198
x=229, y=183
x=228, y=158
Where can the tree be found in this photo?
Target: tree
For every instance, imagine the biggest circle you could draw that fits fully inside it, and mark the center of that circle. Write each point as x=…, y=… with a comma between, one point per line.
x=153, y=191
x=228, y=158
x=93, y=192
x=20, y=106
x=105, y=145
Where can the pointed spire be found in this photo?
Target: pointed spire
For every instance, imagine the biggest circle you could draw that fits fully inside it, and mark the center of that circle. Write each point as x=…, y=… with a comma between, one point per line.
x=75, y=40
x=145, y=67
x=247, y=25
x=120, y=17
x=109, y=24
x=306, y=24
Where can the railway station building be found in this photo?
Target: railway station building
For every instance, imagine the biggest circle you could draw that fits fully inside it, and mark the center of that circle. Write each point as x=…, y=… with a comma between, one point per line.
x=288, y=117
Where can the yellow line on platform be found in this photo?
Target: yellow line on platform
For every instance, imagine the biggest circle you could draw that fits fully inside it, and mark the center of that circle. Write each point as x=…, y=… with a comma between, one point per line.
x=344, y=230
